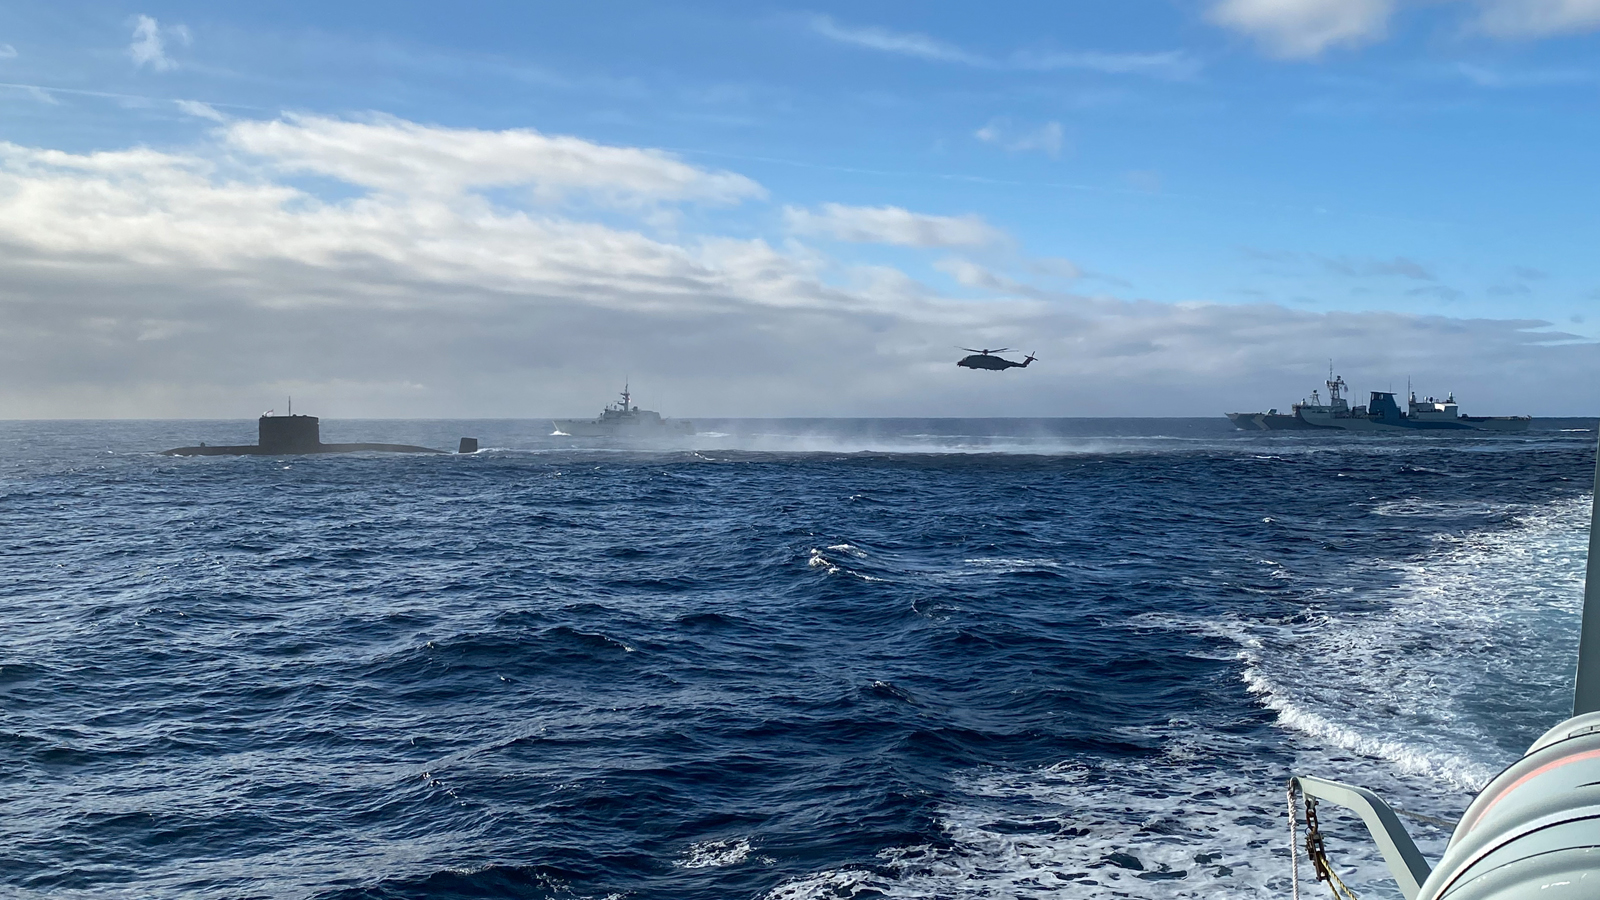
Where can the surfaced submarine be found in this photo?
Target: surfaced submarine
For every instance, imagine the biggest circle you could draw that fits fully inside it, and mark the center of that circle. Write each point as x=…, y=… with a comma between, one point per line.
x=1534, y=831
x=292, y=434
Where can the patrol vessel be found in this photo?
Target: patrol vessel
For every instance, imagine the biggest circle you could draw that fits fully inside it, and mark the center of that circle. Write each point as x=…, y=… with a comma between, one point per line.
x=625, y=421
x=1382, y=413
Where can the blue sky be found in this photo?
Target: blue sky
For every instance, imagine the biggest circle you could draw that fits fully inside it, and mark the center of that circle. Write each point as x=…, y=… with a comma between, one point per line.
x=1205, y=199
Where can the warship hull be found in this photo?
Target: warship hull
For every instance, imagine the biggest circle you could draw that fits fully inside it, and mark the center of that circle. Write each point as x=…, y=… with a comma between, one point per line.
x=1266, y=421
x=1385, y=419
x=596, y=428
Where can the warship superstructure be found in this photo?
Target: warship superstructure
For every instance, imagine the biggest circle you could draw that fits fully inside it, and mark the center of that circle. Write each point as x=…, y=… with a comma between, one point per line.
x=1272, y=420
x=1381, y=413
x=624, y=420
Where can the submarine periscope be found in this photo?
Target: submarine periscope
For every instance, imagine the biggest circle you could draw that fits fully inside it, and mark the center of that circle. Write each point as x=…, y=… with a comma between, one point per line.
x=1534, y=831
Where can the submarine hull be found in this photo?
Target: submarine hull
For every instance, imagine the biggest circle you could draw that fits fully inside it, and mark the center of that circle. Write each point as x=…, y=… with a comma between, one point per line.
x=254, y=450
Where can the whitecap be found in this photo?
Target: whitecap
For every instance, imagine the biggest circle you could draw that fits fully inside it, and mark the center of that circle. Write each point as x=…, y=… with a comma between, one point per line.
x=1011, y=565
x=818, y=561
x=715, y=854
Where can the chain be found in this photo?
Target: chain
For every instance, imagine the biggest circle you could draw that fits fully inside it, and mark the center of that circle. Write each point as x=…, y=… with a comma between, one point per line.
x=1319, y=855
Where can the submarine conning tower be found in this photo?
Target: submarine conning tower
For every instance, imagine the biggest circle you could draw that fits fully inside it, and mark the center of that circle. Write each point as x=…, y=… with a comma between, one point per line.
x=289, y=434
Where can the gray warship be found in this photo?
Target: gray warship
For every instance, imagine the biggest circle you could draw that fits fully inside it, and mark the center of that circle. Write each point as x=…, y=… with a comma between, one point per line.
x=623, y=420
x=1382, y=413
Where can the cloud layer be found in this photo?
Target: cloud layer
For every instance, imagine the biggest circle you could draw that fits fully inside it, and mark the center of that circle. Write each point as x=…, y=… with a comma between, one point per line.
x=209, y=282
x=406, y=158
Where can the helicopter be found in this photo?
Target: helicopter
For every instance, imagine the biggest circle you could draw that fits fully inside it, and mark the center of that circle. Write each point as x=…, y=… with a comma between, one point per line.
x=985, y=359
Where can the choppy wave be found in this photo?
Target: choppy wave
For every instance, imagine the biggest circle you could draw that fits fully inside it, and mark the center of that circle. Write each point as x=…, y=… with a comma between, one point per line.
x=1404, y=690
x=558, y=672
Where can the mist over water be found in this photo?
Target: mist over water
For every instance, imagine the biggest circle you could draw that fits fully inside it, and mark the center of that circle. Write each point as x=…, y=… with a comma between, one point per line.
x=785, y=659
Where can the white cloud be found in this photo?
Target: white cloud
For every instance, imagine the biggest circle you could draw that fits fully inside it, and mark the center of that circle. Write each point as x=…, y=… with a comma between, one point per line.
x=1300, y=29
x=1499, y=77
x=974, y=275
x=396, y=156
x=906, y=44
x=150, y=283
x=1537, y=18
x=7, y=51
x=1047, y=138
x=1055, y=267
x=1168, y=64
x=893, y=225
x=148, y=48
x=200, y=110
x=1303, y=29
x=970, y=274
x=1361, y=267
x=38, y=93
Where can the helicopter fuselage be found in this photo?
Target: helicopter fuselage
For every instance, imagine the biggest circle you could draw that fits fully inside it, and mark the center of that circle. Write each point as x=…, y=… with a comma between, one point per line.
x=992, y=363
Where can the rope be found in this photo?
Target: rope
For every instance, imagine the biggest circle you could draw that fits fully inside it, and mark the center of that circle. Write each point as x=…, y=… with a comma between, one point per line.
x=1294, y=851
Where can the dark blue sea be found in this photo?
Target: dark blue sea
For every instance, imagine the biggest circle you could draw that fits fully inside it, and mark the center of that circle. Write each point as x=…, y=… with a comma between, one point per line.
x=789, y=660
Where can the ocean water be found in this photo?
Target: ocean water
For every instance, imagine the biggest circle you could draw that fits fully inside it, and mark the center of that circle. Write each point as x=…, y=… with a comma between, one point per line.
x=785, y=659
